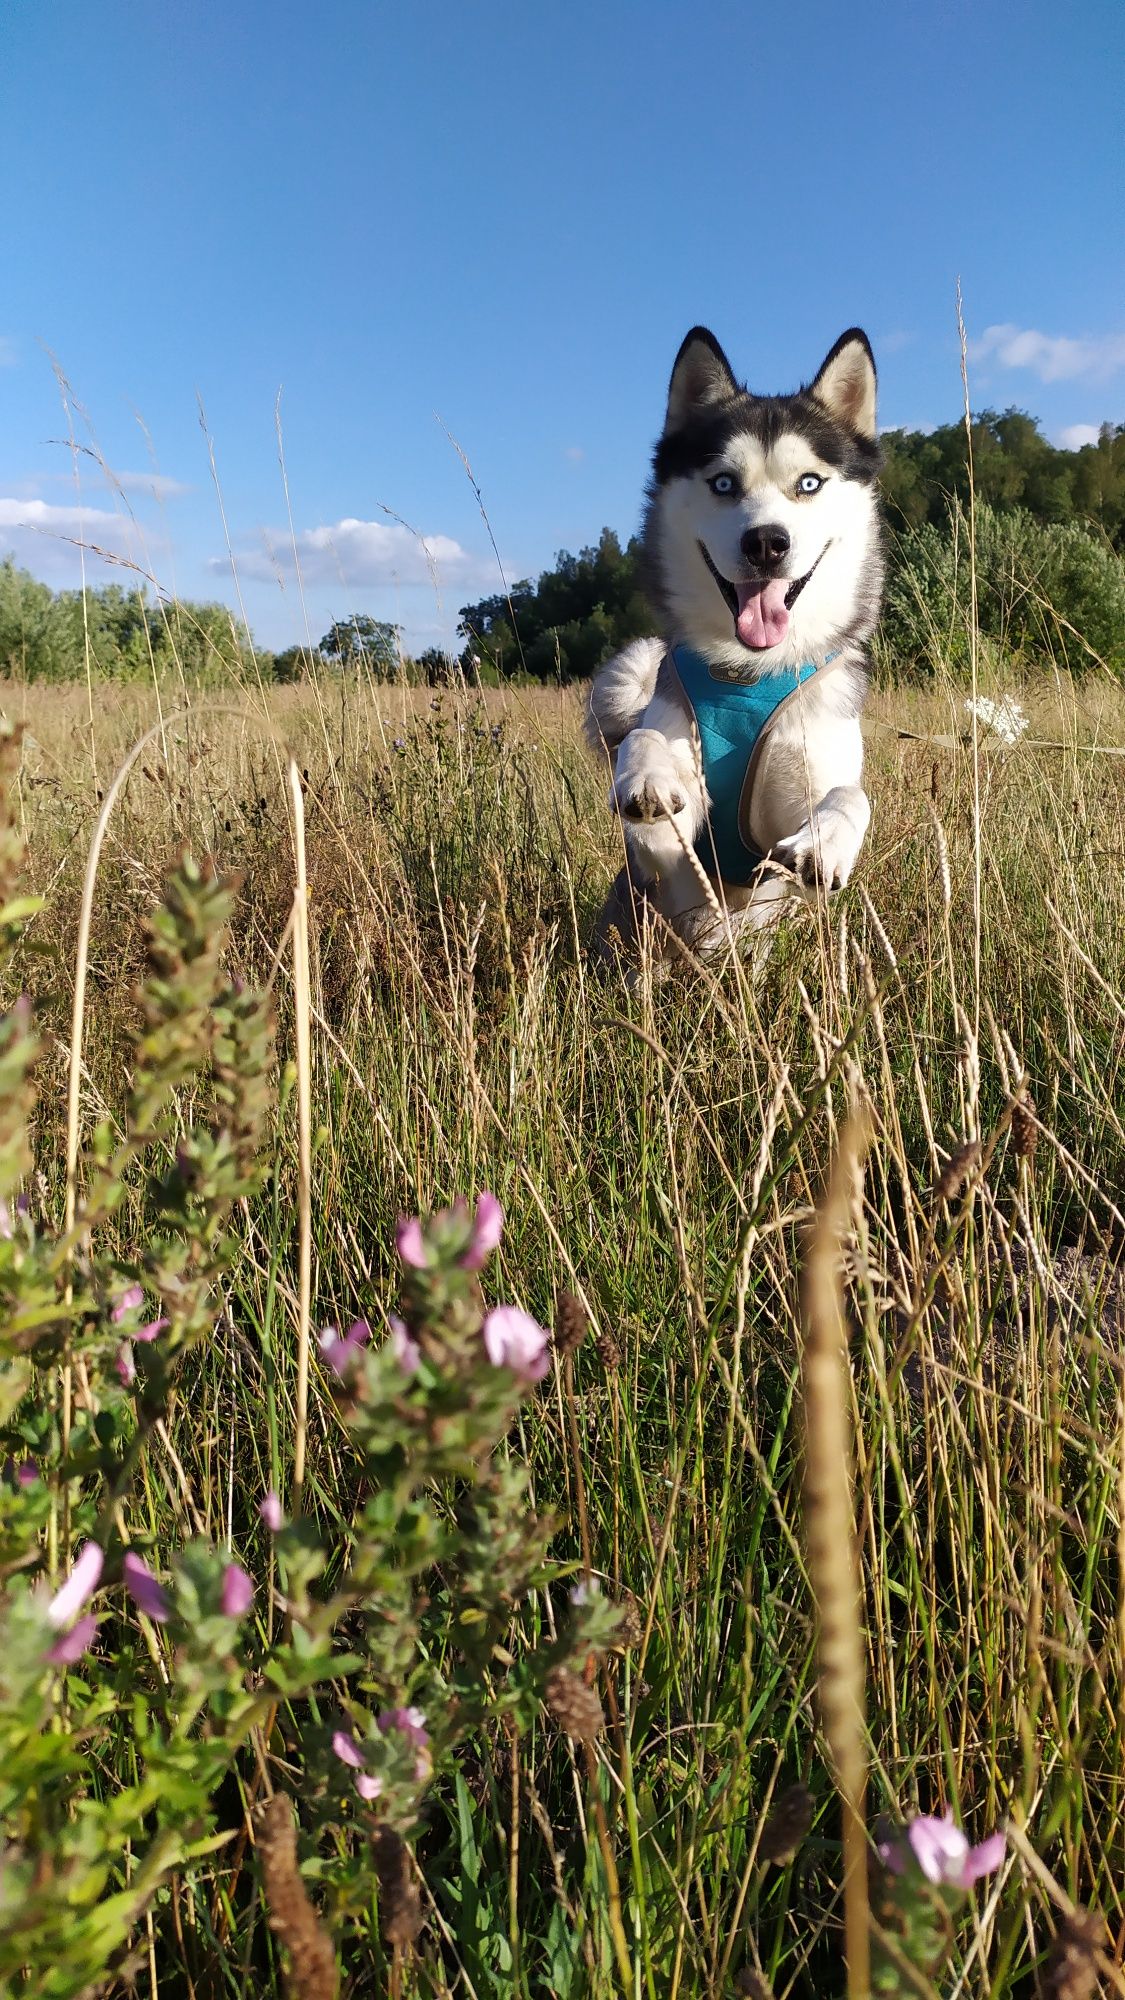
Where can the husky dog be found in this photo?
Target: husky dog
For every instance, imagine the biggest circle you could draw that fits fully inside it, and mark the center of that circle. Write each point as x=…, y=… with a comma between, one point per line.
x=735, y=737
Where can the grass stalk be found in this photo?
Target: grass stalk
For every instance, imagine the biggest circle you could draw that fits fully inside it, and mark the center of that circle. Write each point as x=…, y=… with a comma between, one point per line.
x=829, y=1513
x=302, y=1023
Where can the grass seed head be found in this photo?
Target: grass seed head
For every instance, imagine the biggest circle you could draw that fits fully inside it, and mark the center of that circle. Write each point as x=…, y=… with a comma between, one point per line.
x=631, y=1629
x=1025, y=1132
x=958, y=1171
x=753, y=1985
x=787, y=1826
x=571, y=1321
x=400, y=1905
x=609, y=1350
x=575, y=1707
x=1072, y=1963
x=312, y=1961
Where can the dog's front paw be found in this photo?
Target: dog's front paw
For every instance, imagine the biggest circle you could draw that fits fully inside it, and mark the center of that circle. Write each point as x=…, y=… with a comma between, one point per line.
x=649, y=796
x=823, y=852
x=647, y=784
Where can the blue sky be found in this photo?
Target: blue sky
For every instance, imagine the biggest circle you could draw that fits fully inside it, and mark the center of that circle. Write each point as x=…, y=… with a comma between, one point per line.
x=497, y=221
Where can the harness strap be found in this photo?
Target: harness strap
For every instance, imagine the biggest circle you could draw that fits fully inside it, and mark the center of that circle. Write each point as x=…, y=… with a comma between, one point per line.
x=733, y=719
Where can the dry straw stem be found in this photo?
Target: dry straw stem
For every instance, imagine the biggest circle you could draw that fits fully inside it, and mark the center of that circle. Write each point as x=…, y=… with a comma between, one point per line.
x=312, y=1961
x=77, y=1030
x=833, y=1558
x=1121, y=1551
x=301, y=984
x=974, y=663
x=82, y=955
x=302, y=1008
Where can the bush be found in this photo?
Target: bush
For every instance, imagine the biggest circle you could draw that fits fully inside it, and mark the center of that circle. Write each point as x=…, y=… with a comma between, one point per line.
x=1051, y=595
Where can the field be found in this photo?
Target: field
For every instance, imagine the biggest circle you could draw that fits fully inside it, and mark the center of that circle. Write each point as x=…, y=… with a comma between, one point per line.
x=661, y=1154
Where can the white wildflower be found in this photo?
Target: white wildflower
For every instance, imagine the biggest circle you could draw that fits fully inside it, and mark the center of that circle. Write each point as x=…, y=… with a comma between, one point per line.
x=1005, y=718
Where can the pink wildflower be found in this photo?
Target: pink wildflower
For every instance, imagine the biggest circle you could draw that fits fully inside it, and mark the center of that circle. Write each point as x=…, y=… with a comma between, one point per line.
x=404, y=1347
x=125, y=1365
x=272, y=1513
x=28, y=1473
x=410, y=1721
x=340, y=1351
x=150, y=1331
x=512, y=1339
x=238, y=1592
x=943, y=1853
x=488, y=1224
x=346, y=1750
x=983, y=1859
x=130, y=1299
x=78, y=1588
x=410, y=1243
x=146, y=1593
x=70, y=1646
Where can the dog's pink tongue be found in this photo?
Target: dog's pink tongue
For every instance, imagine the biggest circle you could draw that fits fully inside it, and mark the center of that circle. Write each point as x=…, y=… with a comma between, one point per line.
x=763, y=617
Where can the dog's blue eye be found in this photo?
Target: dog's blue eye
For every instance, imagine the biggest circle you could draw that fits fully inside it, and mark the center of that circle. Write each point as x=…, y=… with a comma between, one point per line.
x=809, y=482
x=722, y=484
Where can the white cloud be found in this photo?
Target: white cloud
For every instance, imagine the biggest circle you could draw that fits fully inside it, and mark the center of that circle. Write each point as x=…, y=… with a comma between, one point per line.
x=155, y=485
x=575, y=453
x=9, y=356
x=49, y=519
x=160, y=487
x=1053, y=357
x=46, y=536
x=1072, y=437
x=361, y=554
x=893, y=342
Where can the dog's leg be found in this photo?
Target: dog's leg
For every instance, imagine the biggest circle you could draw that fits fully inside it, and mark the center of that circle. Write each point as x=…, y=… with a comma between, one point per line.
x=823, y=852
x=811, y=779
x=621, y=920
x=658, y=793
x=621, y=691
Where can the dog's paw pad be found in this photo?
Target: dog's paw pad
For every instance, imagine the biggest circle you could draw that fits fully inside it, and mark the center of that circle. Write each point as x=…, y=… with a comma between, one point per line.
x=820, y=859
x=649, y=801
x=814, y=874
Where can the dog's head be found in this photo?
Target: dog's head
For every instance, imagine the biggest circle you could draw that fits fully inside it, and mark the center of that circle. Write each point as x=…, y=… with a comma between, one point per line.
x=762, y=532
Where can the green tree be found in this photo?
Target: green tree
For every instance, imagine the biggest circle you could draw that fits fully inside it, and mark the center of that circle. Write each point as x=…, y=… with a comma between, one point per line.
x=566, y=624
x=201, y=643
x=363, y=642
x=294, y=664
x=437, y=666
x=27, y=642
x=1014, y=466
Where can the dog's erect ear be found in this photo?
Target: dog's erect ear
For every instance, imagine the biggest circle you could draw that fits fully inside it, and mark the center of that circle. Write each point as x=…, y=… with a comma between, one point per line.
x=701, y=377
x=846, y=382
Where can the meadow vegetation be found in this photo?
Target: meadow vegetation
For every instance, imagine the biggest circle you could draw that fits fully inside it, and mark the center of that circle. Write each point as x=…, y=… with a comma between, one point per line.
x=554, y=1604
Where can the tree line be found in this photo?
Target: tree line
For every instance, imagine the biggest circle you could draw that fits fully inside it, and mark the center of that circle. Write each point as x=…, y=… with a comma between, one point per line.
x=53, y=635
x=1050, y=560
x=1050, y=541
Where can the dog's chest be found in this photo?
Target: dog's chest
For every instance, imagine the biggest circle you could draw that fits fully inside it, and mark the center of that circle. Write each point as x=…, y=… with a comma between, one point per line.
x=733, y=721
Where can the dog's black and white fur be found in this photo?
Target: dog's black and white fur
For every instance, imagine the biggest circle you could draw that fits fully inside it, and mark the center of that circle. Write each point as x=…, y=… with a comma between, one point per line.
x=763, y=550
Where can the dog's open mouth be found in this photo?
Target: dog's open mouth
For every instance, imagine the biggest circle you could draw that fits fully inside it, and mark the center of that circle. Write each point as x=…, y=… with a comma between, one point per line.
x=760, y=606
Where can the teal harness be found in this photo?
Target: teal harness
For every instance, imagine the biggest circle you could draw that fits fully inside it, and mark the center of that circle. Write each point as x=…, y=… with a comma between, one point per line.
x=732, y=718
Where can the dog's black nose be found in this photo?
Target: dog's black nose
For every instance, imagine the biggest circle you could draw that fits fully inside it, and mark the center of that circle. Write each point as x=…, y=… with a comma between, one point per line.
x=767, y=547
